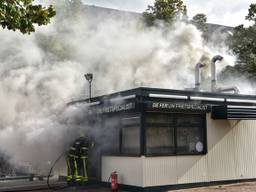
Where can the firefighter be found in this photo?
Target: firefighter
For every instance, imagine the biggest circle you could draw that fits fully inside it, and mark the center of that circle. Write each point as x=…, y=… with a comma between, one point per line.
x=77, y=162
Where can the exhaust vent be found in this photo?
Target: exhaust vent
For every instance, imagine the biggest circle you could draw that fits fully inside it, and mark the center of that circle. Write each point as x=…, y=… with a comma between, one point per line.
x=233, y=112
x=214, y=86
x=198, y=76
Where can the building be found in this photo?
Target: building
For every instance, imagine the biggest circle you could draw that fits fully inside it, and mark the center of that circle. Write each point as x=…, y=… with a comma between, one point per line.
x=161, y=139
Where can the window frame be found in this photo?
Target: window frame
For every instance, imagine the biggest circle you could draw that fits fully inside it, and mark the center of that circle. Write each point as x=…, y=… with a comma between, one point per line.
x=203, y=127
x=130, y=154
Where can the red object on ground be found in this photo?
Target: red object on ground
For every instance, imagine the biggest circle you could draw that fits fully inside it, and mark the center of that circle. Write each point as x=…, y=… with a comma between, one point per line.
x=114, y=181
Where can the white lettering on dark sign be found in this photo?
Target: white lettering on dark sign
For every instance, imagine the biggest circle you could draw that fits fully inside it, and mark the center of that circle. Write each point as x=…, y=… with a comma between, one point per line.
x=116, y=108
x=185, y=106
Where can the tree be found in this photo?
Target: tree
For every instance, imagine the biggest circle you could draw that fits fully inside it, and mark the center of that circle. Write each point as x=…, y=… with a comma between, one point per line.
x=252, y=13
x=165, y=10
x=243, y=42
x=22, y=15
x=199, y=20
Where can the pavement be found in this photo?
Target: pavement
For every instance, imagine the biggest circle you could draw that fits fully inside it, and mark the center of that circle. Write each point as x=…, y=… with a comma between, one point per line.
x=41, y=186
x=239, y=187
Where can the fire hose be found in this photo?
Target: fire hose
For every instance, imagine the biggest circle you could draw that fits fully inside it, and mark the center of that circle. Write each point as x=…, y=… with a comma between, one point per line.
x=50, y=172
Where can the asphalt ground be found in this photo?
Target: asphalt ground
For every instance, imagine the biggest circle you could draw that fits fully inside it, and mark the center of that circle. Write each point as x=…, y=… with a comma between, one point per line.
x=41, y=186
x=238, y=187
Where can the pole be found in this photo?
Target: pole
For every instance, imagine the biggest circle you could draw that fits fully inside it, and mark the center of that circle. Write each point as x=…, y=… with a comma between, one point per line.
x=90, y=91
x=89, y=77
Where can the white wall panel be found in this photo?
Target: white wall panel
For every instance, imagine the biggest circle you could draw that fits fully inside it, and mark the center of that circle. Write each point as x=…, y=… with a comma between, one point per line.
x=245, y=148
x=191, y=169
x=129, y=169
x=160, y=171
x=220, y=157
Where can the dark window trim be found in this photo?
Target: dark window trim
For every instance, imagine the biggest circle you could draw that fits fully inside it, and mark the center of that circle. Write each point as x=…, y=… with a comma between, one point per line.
x=176, y=153
x=121, y=155
x=142, y=134
x=173, y=155
x=143, y=125
x=205, y=151
x=175, y=135
x=160, y=124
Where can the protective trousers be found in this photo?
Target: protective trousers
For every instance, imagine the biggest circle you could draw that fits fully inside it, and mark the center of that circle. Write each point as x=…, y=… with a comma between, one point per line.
x=77, y=164
x=84, y=163
x=72, y=169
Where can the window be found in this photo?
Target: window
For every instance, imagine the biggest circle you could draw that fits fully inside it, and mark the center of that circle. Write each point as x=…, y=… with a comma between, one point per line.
x=189, y=134
x=110, y=137
x=174, y=133
x=160, y=140
x=130, y=135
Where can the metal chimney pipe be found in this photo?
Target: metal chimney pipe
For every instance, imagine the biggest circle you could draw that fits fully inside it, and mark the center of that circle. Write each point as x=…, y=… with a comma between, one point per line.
x=198, y=75
x=214, y=78
x=213, y=72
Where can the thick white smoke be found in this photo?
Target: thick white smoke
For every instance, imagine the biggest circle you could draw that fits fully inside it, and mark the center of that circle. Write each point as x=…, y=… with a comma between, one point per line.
x=41, y=72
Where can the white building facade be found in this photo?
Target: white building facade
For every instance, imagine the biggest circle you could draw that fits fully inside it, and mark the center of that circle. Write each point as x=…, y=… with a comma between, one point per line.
x=158, y=139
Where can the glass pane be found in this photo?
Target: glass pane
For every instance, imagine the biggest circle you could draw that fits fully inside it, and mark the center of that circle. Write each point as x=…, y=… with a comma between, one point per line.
x=159, y=140
x=165, y=118
x=110, y=137
x=189, y=119
x=189, y=140
x=131, y=140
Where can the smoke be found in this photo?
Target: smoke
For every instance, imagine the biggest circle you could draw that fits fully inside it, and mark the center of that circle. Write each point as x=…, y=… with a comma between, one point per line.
x=41, y=72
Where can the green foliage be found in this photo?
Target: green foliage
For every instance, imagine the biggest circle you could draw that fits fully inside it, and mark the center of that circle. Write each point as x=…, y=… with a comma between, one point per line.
x=243, y=42
x=235, y=72
x=165, y=10
x=22, y=15
x=252, y=13
x=199, y=20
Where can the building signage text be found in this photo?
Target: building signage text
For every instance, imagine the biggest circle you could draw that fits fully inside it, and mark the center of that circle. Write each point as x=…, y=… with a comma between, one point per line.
x=182, y=106
x=115, y=108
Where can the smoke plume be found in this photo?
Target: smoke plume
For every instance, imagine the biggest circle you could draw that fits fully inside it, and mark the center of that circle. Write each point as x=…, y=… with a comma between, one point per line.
x=41, y=72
